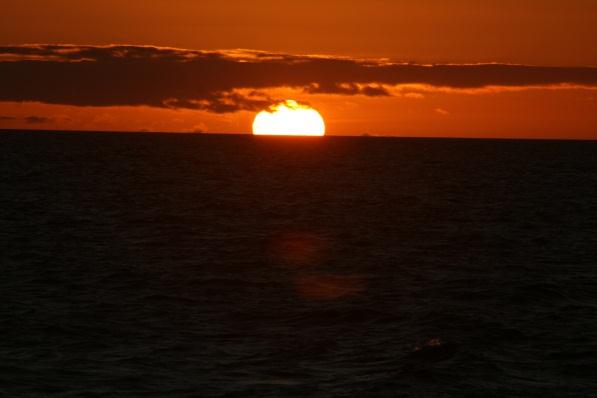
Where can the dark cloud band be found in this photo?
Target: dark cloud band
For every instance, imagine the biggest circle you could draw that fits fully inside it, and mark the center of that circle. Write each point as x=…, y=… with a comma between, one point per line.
x=210, y=80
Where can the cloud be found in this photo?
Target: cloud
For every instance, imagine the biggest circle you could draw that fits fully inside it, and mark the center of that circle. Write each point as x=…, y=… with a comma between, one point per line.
x=223, y=102
x=347, y=89
x=230, y=81
x=26, y=119
x=37, y=120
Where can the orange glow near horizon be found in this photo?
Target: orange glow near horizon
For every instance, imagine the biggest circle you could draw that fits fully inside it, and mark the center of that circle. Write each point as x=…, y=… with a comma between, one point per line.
x=289, y=118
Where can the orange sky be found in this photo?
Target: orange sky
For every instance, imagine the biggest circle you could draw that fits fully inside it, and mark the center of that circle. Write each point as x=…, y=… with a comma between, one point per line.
x=553, y=33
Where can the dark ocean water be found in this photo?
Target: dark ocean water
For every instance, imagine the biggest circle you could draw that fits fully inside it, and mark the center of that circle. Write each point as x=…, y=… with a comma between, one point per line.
x=138, y=265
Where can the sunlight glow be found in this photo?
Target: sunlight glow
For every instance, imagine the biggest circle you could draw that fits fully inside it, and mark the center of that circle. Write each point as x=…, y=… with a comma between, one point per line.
x=289, y=118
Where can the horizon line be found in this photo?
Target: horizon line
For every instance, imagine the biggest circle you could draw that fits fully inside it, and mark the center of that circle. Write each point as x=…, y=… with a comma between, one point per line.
x=247, y=134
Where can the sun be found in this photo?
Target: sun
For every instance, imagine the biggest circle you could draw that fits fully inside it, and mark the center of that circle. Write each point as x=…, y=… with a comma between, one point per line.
x=289, y=118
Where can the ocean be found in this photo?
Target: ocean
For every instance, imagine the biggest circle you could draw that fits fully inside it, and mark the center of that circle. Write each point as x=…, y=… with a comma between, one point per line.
x=173, y=265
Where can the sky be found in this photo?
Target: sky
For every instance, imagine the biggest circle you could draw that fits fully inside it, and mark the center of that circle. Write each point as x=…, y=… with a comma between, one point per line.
x=463, y=68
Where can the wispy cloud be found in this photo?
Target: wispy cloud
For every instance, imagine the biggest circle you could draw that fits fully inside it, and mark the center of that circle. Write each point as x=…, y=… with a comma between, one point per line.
x=229, y=81
x=37, y=120
x=27, y=119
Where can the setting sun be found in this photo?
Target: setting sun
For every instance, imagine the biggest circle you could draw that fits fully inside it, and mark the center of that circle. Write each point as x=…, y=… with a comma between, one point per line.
x=289, y=118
